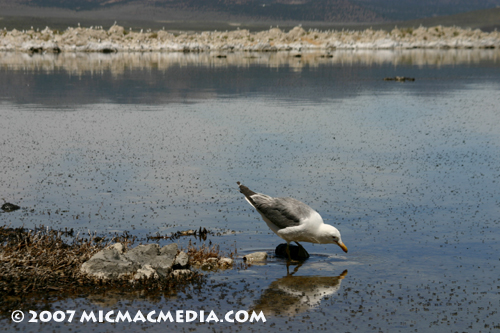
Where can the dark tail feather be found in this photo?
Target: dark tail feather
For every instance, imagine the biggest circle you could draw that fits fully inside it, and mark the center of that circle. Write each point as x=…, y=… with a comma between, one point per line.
x=245, y=190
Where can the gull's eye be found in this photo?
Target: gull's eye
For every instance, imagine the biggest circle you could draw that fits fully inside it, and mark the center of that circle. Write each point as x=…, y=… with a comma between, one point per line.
x=335, y=238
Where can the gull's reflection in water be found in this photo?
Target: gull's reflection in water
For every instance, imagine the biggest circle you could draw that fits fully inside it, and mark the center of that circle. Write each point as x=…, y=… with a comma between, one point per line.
x=292, y=294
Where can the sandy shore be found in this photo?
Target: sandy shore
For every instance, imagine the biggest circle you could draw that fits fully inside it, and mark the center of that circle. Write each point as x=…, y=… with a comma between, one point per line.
x=117, y=39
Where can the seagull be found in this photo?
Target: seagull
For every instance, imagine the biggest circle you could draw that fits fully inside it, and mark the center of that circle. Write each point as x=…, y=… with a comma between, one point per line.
x=292, y=220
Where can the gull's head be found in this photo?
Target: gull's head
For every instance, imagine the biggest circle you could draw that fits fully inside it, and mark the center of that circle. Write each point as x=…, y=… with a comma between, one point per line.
x=330, y=234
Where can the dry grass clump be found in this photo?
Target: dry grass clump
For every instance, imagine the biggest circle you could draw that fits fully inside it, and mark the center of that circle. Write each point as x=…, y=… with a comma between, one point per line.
x=41, y=264
x=209, y=257
x=37, y=260
x=41, y=260
x=203, y=253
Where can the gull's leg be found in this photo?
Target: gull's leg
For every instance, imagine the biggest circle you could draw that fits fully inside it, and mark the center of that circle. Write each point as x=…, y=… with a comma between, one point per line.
x=299, y=245
x=288, y=251
x=294, y=270
x=302, y=253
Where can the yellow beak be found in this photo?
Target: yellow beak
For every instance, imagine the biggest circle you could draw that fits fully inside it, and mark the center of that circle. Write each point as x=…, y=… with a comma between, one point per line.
x=342, y=246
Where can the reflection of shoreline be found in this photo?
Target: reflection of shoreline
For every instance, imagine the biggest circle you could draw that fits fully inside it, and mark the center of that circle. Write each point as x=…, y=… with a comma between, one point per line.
x=119, y=63
x=292, y=295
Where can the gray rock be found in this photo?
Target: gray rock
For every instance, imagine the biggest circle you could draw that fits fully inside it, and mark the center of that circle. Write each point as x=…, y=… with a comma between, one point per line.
x=163, y=265
x=182, y=260
x=109, y=269
x=144, y=254
x=163, y=270
x=112, y=253
x=143, y=261
x=164, y=262
x=169, y=250
x=110, y=263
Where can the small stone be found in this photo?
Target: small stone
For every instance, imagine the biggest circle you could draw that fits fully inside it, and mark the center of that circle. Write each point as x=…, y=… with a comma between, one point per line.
x=256, y=256
x=225, y=262
x=182, y=260
x=146, y=272
x=179, y=273
x=296, y=252
x=399, y=79
x=212, y=260
x=118, y=247
x=207, y=266
x=8, y=207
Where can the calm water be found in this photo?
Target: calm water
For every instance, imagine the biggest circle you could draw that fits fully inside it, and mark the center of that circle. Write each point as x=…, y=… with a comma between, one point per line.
x=150, y=143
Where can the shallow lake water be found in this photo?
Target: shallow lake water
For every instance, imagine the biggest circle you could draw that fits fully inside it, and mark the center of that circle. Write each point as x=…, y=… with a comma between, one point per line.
x=151, y=144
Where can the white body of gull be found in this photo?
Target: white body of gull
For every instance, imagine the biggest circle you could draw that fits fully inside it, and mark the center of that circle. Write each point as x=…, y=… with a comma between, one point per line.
x=292, y=220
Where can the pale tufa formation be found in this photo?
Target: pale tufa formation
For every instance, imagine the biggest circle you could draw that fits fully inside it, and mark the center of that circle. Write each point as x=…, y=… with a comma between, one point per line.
x=118, y=39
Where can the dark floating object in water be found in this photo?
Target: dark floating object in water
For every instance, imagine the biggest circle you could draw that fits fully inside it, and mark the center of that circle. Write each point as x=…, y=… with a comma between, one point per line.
x=296, y=252
x=41, y=49
x=399, y=78
x=201, y=234
x=8, y=207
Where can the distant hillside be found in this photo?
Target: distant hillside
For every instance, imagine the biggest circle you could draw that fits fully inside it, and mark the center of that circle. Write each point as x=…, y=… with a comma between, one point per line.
x=305, y=10
x=487, y=20
x=197, y=15
x=275, y=10
x=402, y=10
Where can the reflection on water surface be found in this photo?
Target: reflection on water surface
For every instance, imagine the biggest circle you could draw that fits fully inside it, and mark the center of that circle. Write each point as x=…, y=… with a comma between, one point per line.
x=291, y=295
x=154, y=143
x=78, y=63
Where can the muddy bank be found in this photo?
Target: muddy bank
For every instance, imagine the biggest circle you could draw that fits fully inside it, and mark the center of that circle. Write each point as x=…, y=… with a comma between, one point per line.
x=119, y=39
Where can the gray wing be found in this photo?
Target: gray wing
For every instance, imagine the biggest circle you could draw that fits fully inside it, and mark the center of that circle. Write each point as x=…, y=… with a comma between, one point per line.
x=282, y=212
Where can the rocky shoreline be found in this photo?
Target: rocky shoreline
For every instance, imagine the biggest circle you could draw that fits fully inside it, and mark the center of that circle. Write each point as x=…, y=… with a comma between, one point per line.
x=119, y=39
